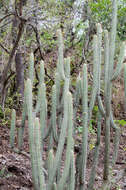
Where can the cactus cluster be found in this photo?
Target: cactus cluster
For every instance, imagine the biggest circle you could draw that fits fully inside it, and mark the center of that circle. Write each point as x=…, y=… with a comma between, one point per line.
x=60, y=129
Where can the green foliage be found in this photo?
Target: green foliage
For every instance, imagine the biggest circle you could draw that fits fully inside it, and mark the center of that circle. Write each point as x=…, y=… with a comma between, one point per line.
x=121, y=122
x=101, y=11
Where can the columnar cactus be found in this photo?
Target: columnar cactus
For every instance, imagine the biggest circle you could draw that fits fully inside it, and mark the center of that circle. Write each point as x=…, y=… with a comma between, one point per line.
x=85, y=128
x=60, y=127
x=12, y=130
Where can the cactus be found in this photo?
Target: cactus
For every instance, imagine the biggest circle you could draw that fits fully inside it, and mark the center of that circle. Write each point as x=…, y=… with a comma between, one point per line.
x=60, y=65
x=95, y=76
x=37, y=139
x=85, y=128
x=31, y=68
x=21, y=129
x=67, y=67
x=125, y=85
x=31, y=132
x=43, y=109
x=69, y=144
x=61, y=140
x=72, y=172
x=96, y=154
x=53, y=118
x=12, y=130
x=41, y=81
x=61, y=121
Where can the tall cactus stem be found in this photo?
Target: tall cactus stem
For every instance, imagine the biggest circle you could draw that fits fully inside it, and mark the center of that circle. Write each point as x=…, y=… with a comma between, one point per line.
x=125, y=85
x=62, y=181
x=96, y=154
x=21, y=129
x=61, y=141
x=31, y=132
x=99, y=35
x=42, y=73
x=85, y=128
x=67, y=67
x=38, y=150
x=43, y=110
x=120, y=61
x=60, y=65
x=113, y=36
x=72, y=172
x=31, y=68
x=53, y=118
x=12, y=130
x=95, y=76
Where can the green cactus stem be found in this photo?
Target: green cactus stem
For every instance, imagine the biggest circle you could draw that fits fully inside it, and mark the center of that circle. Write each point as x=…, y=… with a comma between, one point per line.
x=31, y=133
x=41, y=81
x=85, y=128
x=95, y=76
x=99, y=35
x=12, y=129
x=21, y=129
x=54, y=125
x=67, y=67
x=125, y=85
x=38, y=150
x=113, y=36
x=60, y=65
x=96, y=154
x=72, y=172
x=62, y=181
x=120, y=62
x=31, y=68
x=43, y=110
x=61, y=140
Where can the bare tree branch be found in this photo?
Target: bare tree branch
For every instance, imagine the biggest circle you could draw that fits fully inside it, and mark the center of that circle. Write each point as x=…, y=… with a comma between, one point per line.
x=5, y=49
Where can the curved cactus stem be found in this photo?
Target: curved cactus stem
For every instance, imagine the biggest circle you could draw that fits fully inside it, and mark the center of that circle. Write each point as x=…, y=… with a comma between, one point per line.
x=95, y=76
x=85, y=128
x=120, y=62
x=96, y=154
x=12, y=129
x=62, y=181
x=31, y=68
x=38, y=150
